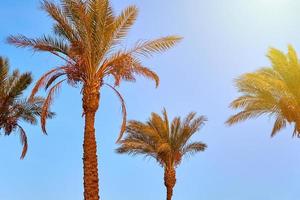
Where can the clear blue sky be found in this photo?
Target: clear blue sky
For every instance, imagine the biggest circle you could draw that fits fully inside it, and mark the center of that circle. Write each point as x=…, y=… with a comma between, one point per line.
x=223, y=39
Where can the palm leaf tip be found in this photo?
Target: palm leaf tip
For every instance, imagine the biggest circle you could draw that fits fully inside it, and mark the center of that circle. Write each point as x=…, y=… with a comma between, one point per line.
x=234, y=119
x=229, y=121
x=18, y=40
x=121, y=150
x=279, y=124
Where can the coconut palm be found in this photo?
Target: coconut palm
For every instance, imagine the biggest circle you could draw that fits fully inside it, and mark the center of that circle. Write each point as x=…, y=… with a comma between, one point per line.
x=273, y=91
x=14, y=108
x=166, y=143
x=88, y=37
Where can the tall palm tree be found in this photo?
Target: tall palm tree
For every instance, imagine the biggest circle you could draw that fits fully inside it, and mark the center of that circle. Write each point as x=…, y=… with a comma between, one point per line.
x=166, y=143
x=273, y=91
x=88, y=37
x=14, y=108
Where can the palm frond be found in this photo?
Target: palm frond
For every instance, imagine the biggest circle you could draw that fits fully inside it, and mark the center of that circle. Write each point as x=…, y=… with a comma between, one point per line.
x=124, y=112
x=45, y=109
x=45, y=43
x=132, y=147
x=155, y=46
x=63, y=27
x=279, y=124
x=146, y=72
x=124, y=22
x=4, y=68
x=137, y=129
x=45, y=80
x=23, y=139
x=20, y=84
x=244, y=115
x=192, y=148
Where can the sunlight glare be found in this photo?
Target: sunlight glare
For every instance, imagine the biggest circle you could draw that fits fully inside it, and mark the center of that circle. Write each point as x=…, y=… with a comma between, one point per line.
x=274, y=2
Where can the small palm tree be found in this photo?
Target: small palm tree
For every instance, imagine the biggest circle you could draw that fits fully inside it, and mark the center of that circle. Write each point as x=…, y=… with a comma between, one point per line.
x=88, y=38
x=13, y=107
x=272, y=91
x=167, y=143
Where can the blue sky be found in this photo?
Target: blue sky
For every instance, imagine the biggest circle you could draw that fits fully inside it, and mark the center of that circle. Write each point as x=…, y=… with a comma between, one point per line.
x=222, y=39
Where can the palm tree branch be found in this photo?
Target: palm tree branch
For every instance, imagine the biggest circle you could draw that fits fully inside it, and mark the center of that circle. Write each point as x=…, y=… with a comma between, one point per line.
x=45, y=108
x=124, y=112
x=23, y=139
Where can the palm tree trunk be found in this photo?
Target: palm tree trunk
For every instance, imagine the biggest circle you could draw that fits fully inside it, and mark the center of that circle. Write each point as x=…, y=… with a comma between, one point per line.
x=90, y=100
x=170, y=181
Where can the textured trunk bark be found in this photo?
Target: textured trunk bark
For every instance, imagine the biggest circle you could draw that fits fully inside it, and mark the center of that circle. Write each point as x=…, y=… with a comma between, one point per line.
x=90, y=100
x=170, y=181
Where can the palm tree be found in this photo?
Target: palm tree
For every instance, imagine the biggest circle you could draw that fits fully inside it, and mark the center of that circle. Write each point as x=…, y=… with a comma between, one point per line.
x=272, y=91
x=13, y=107
x=166, y=143
x=87, y=37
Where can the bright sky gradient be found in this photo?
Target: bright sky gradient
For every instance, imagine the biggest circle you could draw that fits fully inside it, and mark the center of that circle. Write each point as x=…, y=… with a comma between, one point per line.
x=222, y=39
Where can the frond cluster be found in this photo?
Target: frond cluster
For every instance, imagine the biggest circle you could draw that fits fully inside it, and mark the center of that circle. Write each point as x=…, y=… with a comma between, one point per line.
x=165, y=142
x=272, y=91
x=13, y=107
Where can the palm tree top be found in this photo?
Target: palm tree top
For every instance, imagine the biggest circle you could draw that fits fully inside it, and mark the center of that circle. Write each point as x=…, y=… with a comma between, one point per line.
x=14, y=108
x=273, y=91
x=88, y=37
x=166, y=142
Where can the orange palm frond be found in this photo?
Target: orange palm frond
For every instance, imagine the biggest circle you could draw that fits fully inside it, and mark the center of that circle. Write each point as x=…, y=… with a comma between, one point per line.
x=45, y=109
x=124, y=112
x=44, y=80
x=23, y=139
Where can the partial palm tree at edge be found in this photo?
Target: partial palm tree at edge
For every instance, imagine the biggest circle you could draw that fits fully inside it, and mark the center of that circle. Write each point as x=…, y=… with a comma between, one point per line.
x=272, y=91
x=14, y=108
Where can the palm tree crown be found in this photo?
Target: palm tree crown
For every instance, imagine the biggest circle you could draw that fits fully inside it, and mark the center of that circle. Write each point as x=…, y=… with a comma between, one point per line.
x=272, y=91
x=88, y=37
x=165, y=142
x=13, y=107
